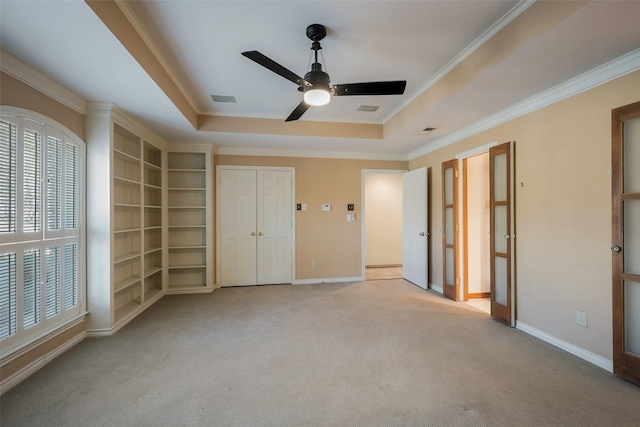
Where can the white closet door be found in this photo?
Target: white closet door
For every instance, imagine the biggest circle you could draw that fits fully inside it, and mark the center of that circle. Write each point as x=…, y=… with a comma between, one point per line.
x=414, y=227
x=274, y=227
x=238, y=227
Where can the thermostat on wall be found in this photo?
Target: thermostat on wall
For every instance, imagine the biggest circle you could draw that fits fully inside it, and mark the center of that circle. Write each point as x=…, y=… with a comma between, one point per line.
x=325, y=207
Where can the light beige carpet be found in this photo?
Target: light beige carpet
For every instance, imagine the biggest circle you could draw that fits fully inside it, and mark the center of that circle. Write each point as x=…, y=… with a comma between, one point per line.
x=364, y=354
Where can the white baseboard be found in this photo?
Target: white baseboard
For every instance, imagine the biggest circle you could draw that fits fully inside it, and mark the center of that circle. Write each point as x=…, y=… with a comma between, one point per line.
x=436, y=288
x=327, y=280
x=37, y=364
x=597, y=360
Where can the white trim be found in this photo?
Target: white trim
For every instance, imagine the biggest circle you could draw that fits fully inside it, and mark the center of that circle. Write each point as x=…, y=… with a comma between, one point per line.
x=31, y=77
x=590, y=357
x=266, y=152
x=476, y=151
x=40, y=362
x=436, y=288
x=477, y=43
x=619, y=67
x=327, y=280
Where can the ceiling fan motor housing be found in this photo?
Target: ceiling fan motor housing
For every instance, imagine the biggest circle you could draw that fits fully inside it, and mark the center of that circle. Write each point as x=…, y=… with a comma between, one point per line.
x=317, y=77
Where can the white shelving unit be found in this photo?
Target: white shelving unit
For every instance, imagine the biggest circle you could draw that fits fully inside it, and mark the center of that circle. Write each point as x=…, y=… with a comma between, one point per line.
x=125, y=218
x=189, y=219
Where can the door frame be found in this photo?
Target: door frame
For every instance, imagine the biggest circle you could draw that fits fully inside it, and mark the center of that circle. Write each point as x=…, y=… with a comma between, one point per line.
x=363, y=215
x=219, y=206
x=462, y=243
x=625, y=365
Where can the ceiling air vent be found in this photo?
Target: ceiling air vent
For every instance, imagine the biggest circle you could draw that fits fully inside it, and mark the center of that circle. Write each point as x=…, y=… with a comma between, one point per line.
x=224, y=98
x=369, y=108
x=426, y=130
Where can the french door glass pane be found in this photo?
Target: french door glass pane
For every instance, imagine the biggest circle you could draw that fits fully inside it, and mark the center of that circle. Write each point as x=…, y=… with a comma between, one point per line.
x=448, y=186
x=631, y=248
x=500, y=228
x=500, y=177
x=631, y=147
x=449, y=264
x=448, y=226
x=632, y=317
x=500, y=265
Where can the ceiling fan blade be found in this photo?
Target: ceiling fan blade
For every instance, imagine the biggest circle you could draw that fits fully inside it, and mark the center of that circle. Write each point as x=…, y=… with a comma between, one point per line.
x=372, y=88
x=298, y=112
x=270, y=64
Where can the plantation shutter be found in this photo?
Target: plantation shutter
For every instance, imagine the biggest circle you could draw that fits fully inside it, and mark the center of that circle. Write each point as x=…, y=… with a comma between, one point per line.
x=8, y=177
x=53, y=281
x=31, y=181
x=31, y=287
x=54, y=148
x=7, y=294
x=70, y=275
x=70, y=186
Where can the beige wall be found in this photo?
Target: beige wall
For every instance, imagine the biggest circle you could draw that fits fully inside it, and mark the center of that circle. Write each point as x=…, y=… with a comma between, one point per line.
x=18, y=94
x=563, y=211
x=324, y=237
x=383, y=218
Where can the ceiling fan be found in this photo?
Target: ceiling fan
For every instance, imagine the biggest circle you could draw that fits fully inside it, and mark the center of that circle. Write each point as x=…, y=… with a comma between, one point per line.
x=315, y=85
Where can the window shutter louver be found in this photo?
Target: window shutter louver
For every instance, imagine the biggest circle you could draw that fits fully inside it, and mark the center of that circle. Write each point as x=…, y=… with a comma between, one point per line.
x=32, y=178
x=70, y=276
x=53, y=183
x=7, y=294
x=8, y=177
x=53, y=281
x=70, y=186
x=31, y=287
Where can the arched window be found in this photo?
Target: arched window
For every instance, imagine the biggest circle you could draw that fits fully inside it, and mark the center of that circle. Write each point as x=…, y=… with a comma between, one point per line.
x=42, y=259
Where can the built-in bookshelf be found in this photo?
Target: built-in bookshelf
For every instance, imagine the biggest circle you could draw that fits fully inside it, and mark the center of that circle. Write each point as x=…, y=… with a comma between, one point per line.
x=125, y=217
x=188, y=220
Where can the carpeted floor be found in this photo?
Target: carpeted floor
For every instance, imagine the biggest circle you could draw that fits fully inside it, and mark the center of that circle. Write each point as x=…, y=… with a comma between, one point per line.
x=383, y=273
x=381, y=353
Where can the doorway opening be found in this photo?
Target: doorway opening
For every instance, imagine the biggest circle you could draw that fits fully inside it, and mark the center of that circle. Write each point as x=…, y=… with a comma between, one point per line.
x=382, y=224
x=476, y=229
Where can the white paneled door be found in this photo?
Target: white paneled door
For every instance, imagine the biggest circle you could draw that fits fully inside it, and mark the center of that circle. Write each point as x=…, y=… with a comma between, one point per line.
x=255, y=227
x=414, y=227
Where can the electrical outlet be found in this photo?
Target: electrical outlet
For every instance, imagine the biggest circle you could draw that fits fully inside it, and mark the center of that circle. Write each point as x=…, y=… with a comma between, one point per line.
x=581, y=318
x=313, y=264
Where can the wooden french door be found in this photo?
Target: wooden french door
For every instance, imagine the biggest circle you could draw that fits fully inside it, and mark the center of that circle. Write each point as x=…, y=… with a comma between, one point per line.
x=626, y=241
x=414, y=227
x=450, y=280
x=501, y=232
x=255, y=227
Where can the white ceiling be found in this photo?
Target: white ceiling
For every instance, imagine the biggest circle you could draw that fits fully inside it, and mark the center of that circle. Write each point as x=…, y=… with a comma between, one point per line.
x=201, y=41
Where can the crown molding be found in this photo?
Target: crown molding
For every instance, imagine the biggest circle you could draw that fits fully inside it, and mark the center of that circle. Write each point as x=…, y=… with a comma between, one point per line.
x=265, y=152
x=612, y=70
x=31, y=77
x=126, y=120
x=484, y=37
x=156, y=51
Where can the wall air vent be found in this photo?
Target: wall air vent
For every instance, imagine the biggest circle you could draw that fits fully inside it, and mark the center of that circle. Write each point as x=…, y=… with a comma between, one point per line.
x=224, y=98
x=369, y=108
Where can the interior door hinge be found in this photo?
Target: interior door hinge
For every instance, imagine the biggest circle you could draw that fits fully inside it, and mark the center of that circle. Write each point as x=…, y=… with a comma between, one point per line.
x=457, y=281
x=456, y=174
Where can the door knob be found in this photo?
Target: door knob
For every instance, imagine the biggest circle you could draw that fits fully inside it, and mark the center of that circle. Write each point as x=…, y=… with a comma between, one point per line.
x=253, y=233
x=615, y=248
x=260, y=233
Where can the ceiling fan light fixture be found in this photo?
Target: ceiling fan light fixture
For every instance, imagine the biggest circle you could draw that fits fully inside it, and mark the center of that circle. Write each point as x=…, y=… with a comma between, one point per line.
x=317, y=96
